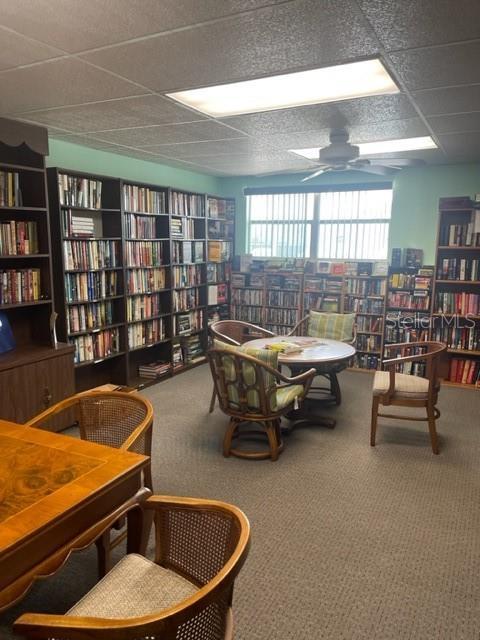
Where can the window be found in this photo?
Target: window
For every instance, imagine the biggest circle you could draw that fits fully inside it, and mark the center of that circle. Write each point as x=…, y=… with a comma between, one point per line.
x=331, y=224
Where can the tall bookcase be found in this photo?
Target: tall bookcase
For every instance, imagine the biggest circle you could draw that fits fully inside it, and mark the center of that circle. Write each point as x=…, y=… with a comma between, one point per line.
x=89, y=281
x=220, y=239
x=456, y=295
x=31, y=370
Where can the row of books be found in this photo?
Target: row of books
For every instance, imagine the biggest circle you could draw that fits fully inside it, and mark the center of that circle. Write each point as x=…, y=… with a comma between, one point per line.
x=283, y=299
x=366, y=287
x=247, y=296
x=214, y=314
x=282, y=316
x=79, y=192
x=91, y=254
x=141, y=334
x=192, y=349
x=82, y=287
x=220, y=230
x=321, y=302
x=218, y=272
x=461, y=303
x=154, y=370
x=183, y=228
x=369, y=323
x=459, y=269
x=77, y=225
x=367, y=268
x=10, y=193
x=18, y=238
x=413, y=368
x=145, y=280
x=187, y=322
x=140, y=227
x=465, y=338
x=402, y=299
x=217, y=294
x=19, y=285
x=409, y=281
x=142, y=307
x=367, y=361
x=323, y=284
x=248, y=314
x=219, y=251
x=187, y=204
x=96, y=346
x=283, y=282
x=143, y=199
x=186, y=276
x=464, y=371
x=277, y=329
x=145, y=253
x=187, y=252
x=462, y=235
x=398, y=333
x=219, y=208
x=369, y=343
x=363, y=305
x=186, y=299
x=87, y=317
x=247, y=280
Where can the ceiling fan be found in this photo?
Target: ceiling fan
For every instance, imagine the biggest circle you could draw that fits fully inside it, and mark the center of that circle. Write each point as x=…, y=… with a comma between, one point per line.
x=341, y=155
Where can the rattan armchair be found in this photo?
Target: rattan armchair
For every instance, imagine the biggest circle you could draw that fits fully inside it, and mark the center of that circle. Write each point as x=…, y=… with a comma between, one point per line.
x=328, y=331
x=393, y=388
x=245, y=391
x=113, y=418
x=235, y=332
x=186, y=593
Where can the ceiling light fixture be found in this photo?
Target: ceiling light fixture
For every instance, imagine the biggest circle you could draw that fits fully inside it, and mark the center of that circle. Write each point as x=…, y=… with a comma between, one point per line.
x=328, y=84
x=382, y=146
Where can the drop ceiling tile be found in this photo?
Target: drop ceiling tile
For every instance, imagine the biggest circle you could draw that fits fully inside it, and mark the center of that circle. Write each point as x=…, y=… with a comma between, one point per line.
x=325, y=116
x=439, y=66
x=84, y=141
x=464, y=146
x=170, y=133
x=116, y=114
x=94, y=23
x=58, y=83
x=206, y=149
x=458, y=123
x=270, y=40
x=452, y=100
x=17, y=50
x=416, y=23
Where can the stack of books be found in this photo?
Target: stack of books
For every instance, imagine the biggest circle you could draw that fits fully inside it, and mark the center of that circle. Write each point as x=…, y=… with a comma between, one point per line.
x=77, y=226
x=192, y=350
x=154, y=369
x=177, y=356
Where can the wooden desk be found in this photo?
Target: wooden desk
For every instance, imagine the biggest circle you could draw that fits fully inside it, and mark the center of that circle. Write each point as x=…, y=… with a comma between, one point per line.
x=57, y=494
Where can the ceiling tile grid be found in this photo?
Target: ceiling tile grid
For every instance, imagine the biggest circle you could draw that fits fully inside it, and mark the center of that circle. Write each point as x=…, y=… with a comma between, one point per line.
x=99, y=79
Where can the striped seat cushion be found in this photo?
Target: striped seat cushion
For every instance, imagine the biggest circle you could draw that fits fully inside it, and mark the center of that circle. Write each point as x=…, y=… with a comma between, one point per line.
x=134, y=587
x=287, y=395
x=332, y=326
x=406, y=386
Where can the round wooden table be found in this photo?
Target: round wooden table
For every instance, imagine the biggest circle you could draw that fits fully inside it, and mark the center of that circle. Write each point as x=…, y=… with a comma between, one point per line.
x=326, y=356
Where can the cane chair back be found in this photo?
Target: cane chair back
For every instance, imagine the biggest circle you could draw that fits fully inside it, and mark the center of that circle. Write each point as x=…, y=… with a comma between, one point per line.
x=200, y=547
x=237, y=332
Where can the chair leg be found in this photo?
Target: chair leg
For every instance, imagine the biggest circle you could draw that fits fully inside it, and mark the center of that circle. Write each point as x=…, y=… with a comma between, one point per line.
x=432, y=429
x=147, y=476
x=335, y=388
x=273, y=441
x=103, y=553
x=212, y=401
x=373, y=428
x=227, y=440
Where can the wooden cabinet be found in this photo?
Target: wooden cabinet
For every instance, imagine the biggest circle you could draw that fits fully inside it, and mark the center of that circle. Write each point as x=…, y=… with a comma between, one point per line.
x=32, y=380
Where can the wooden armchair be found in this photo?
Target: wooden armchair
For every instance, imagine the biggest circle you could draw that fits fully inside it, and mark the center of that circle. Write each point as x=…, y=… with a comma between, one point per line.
x=235, y=332
x=331, y=326
x=393, y=388
x=113, y=418
x=186, y=593
x=247, y=390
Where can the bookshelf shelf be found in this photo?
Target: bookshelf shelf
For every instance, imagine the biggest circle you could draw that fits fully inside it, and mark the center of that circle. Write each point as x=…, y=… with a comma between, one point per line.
x=25, y=256
x=90, y=363
x=24, y=209
x=19, y=305
x=73, y=334
x=89, y=209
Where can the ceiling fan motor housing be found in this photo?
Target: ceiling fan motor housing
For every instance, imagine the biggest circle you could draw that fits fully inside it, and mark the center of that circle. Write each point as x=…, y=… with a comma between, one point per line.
x=339, y=151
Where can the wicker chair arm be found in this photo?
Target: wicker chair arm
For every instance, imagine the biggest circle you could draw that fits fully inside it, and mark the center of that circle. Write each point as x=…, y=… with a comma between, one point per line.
x=298, y=326
x=55, y=409
x=301, y=378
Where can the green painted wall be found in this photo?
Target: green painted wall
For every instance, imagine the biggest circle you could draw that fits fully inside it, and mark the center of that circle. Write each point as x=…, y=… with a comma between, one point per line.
x=76, y=157
x=415, y=199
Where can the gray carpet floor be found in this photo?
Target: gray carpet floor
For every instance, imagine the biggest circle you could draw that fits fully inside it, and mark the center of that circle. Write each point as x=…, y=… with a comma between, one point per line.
x=348, y=542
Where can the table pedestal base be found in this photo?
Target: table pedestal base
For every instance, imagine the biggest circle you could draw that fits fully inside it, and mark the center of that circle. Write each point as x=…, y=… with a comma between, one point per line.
x=306, y=416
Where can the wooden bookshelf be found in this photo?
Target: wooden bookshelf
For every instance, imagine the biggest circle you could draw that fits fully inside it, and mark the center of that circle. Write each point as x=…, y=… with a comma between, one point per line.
x=456, y=291
x=30, y=369
x=220, y=241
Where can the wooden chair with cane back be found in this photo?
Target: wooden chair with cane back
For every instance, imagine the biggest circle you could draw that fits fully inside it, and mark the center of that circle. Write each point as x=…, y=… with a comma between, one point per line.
x=331, y=326
x=186, y=592
x=113, y=418
x=391, y=388
x=235, y=332
x=248, y=391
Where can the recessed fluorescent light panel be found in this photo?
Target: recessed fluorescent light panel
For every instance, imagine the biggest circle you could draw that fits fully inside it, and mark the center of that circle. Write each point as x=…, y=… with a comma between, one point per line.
x=329, y=84
x=374, y=148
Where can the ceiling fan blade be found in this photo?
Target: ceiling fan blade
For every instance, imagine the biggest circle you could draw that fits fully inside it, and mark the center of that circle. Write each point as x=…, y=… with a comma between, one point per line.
x=397, y=162
x=315, y=174
x=379, y=170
